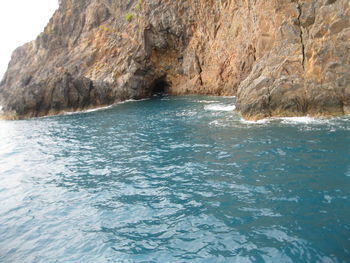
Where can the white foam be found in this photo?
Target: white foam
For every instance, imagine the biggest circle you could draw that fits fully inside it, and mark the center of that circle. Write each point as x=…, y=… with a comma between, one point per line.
x=305, y=119
x=289, y=120
x=262, y=121
x=186, y=113
x=98, y=109
x=206, y=101
x=130, y=100
x=214, y=123
x=220, y=107
x=102, y=108
x=328, y=198
x=86, y=111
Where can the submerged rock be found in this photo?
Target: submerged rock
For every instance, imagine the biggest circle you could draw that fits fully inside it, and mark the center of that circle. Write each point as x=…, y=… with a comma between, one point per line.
x=281, y=58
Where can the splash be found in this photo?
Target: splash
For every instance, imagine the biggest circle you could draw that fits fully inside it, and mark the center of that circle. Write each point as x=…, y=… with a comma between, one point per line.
x=220, y=107
x=288, y=120
x=102, y=108
x=305, y=120
x=87, y=111
x=262, y=121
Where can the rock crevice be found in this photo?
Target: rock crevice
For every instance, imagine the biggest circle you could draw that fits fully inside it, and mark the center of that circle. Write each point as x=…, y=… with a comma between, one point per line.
x=301, y=37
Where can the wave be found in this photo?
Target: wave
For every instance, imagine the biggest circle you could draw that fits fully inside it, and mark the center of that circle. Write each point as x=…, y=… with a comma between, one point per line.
x=262, y=121
x=103, y=108
x=288, y=120
x=220, y=107
x=206, y=101
x=305, y=120
x=89, y=110
x=130, y=100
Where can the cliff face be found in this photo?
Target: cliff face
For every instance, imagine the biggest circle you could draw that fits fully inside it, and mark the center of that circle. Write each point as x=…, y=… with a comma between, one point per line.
x=281, y=58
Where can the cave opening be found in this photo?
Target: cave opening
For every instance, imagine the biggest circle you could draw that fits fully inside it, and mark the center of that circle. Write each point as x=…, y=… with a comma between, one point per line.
x=160, y=86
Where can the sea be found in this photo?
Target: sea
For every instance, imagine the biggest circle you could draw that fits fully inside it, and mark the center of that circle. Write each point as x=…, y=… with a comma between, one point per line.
x=174, y=179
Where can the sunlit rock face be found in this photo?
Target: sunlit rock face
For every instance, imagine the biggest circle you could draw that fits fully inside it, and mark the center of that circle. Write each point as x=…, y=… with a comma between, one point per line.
x=280, y=58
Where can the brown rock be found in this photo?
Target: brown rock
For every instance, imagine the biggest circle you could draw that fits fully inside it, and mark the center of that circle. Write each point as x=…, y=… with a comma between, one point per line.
x=281, y=58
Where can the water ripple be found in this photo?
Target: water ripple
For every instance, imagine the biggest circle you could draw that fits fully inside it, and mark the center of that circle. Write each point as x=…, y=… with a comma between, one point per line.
x=174, y=179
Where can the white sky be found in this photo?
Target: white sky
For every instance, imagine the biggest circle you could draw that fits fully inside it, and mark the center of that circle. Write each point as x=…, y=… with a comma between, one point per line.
x=21, y=21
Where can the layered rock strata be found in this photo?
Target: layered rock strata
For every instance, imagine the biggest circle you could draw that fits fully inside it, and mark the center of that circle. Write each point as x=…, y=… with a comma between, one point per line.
x=280, y=58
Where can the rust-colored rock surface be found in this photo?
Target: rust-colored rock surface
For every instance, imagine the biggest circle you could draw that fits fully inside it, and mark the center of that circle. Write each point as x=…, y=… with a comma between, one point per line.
x=281, y=58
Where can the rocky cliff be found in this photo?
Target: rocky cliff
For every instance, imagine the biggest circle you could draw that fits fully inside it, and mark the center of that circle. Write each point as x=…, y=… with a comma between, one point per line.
x=279, y=57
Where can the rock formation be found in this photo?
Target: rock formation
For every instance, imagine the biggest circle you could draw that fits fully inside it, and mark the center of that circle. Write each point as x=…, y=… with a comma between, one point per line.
x=280, y=58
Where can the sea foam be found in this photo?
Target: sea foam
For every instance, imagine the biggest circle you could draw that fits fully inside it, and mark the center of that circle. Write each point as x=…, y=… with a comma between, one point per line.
x=102, y=108
x=305, y=119
x=87, y=111
x=262, y=121
x=288, y=120
x=220, y=107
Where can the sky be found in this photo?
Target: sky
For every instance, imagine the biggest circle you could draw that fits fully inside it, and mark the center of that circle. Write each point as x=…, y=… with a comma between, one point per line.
x=21, y=21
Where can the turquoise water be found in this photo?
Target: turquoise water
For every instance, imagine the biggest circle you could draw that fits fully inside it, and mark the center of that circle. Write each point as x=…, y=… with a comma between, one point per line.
x=174, y=179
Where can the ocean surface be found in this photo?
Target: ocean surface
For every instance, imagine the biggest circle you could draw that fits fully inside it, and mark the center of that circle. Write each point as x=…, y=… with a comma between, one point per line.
x=174, y=179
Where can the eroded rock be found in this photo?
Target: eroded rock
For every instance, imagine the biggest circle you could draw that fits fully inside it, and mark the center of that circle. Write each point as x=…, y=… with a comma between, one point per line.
x=281, y=58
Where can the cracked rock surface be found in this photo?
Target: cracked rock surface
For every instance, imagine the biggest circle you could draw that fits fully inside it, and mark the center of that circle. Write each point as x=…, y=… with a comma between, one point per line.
x=280, y=58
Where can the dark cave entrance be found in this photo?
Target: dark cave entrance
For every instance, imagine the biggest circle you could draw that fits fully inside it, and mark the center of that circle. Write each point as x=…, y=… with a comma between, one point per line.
x=159, y=87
